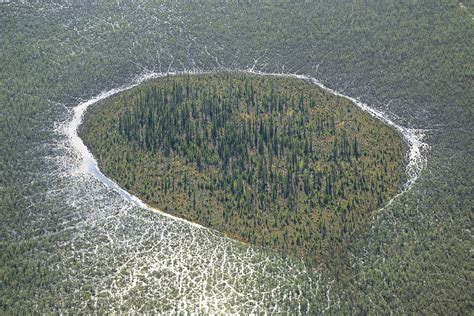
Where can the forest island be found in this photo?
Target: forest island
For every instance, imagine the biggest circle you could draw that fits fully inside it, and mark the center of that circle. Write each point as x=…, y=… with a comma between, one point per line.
x=272, y=161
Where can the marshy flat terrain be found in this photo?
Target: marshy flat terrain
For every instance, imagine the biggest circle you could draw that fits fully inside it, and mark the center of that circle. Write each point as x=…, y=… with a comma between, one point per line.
x=386, y=229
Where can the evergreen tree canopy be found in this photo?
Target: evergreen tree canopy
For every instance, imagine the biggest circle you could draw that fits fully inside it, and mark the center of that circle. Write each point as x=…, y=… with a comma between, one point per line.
x=275, y=162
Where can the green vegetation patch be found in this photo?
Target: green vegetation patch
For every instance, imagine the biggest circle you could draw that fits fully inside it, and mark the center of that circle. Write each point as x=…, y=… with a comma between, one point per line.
x=276, y=162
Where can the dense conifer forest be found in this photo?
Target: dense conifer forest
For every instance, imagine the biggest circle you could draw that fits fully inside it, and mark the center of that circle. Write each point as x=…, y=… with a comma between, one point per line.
x=276, y=162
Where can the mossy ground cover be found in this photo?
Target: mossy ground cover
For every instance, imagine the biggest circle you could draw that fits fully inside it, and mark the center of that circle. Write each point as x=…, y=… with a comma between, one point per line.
x=63, y=236
x=276, y=162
